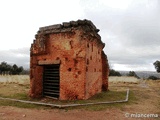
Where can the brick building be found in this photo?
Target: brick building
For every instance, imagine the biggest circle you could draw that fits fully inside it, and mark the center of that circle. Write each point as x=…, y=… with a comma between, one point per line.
x=67, y=61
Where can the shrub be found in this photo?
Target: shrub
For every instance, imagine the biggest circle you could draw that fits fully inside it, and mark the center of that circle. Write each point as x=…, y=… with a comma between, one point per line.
x=114, y=73
x=153, y=77
x=132, y=73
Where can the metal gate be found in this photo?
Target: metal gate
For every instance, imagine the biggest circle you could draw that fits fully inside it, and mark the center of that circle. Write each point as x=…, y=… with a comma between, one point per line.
x=51, y=81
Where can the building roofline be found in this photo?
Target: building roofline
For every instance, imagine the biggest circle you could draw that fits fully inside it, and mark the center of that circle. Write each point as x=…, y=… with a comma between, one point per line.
x=86, y=25
x=70, y=24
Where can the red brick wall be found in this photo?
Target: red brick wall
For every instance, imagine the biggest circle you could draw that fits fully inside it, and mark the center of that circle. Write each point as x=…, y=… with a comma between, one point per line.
x=79, y=50
x=94, y=68
x=105, y=72
x=70, y=50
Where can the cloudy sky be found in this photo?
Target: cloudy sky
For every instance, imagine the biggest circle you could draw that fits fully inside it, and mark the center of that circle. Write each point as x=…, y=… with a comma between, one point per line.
x=129, y=28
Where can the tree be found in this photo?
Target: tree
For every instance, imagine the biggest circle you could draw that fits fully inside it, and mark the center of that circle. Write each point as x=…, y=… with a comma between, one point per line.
x=4, y=67
x=114, y=73
x=153, y=78
x=14, y=70
x=25, y=72
x=132, y=73
x=157, y=66
x=20, y=69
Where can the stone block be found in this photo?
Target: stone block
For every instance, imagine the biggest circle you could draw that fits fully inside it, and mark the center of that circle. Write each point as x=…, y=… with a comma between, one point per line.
x=66, y=24
x=66, y=30
x=48, y=62
x=57, y=26
x=74, y=23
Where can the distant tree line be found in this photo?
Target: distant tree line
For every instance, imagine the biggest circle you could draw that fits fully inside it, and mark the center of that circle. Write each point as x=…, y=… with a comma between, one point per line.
x=116, y=73
x=156, y=64
x=6, y=68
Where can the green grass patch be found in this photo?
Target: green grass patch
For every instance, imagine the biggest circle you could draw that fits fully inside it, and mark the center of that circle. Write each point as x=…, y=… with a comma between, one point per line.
x=16, y=91
x=100, y=97
x=19, y=105
x=106, y=97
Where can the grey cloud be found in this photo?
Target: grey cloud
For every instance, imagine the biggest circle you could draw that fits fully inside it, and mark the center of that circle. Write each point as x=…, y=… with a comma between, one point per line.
x=141, y=29
x=16, y=56
x=132, y=36
x=135, y=55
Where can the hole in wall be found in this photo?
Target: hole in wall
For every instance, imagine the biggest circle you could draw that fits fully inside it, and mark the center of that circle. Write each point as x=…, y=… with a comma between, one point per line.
x=75, y=62
x=94, y=69
x=86, y=69
x=87, y=61
x=88, y=45
x=66, y=59
x=98, y=52
x=57, y=58
x=92, y=47
x=71, y=44
x=79, y=72
x=69, y=69
x=90, y=57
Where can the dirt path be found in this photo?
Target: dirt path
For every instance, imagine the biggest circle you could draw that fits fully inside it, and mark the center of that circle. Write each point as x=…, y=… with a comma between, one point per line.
x=12, y=113
x=147, y=102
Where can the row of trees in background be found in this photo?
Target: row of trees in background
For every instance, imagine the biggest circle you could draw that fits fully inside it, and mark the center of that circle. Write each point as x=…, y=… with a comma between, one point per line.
x=6, y=68
x=112, y=72
x=116, y=73
x=132, y=73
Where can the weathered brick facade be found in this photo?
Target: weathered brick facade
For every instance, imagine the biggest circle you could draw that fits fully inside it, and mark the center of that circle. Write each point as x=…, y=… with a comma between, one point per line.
x=78, y=50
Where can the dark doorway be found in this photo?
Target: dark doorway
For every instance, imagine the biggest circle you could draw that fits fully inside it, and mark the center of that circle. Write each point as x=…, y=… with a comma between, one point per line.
x=51, y=81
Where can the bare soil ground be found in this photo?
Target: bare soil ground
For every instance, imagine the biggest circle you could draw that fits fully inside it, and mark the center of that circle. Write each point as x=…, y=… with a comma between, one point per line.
x=144, y=99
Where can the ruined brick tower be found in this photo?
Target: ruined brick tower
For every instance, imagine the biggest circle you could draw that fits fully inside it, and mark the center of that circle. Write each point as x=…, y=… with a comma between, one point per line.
x=67, y=61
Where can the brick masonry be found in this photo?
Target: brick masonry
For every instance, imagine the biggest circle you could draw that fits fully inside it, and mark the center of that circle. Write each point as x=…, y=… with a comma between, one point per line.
x=77, y=47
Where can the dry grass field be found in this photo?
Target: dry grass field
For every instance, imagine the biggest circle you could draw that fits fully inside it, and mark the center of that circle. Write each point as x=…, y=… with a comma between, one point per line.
x=19, y=79
x=144, y=98
x=123, y=79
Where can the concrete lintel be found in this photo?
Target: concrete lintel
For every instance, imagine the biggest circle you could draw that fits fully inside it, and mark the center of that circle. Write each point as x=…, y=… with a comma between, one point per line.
x=48, y=62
